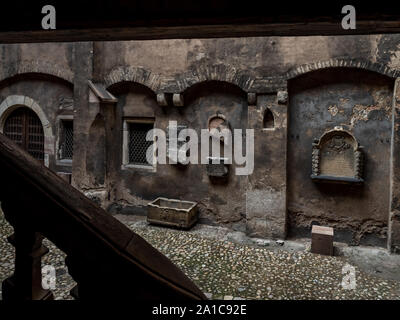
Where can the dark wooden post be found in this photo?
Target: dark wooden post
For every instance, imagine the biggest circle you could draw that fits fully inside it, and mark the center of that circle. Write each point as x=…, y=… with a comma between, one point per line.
x=26, y=282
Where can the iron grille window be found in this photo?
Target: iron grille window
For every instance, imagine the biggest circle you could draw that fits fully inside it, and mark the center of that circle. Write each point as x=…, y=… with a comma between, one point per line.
x=24, y=127
x=137, y=144
x=67, y=139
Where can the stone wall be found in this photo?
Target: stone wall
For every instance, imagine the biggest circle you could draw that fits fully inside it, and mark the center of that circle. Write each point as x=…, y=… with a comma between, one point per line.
x=309, y=84
x=218, y=203
x=361, y=103
x=50, y=98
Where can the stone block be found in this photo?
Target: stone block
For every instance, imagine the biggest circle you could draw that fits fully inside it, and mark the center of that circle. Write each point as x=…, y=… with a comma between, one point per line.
x=162, y=100
x=282, y=97
x=177, y=100
x=15, y=100
x=322, y=240
x=28, y=101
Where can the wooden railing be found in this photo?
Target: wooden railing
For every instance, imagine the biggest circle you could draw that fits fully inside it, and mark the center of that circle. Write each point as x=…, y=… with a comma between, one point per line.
x=104, y=257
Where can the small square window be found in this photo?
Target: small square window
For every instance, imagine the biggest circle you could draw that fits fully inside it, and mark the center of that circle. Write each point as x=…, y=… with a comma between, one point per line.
x=66, y=140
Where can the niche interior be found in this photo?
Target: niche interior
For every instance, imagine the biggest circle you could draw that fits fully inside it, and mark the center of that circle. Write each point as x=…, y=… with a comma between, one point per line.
x=337, y=157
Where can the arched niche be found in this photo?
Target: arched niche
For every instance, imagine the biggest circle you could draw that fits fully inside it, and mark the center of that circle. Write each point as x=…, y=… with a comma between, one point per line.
x=130, y=74
x=130, y=86
x=212, y=87
x=337, y=157
x=217, y=167
x=135, y=99
x=268, y=119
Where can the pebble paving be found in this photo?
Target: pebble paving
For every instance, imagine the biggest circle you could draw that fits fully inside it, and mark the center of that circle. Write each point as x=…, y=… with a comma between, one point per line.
x=227, y=270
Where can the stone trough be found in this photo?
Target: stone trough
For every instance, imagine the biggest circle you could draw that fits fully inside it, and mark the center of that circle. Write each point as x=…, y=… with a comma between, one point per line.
x=172, y=213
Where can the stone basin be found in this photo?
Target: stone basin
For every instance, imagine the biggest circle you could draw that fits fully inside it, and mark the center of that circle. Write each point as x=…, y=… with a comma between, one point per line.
x=172, y=213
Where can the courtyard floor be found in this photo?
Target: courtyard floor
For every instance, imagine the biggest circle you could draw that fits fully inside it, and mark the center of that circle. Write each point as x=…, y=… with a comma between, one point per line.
x=226, y=269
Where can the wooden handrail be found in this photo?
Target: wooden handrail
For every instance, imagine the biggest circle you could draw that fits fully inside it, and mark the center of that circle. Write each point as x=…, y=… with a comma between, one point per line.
x=104, y=257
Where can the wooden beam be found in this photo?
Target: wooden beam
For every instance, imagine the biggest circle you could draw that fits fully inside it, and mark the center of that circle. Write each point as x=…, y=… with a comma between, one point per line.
x=199, y=31
x=167, y=19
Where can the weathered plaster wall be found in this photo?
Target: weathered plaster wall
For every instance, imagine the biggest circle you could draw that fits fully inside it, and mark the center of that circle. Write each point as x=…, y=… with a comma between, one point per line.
x=266, y=189
x=135, y=187
x=261, y=65
x=44, y=58
x=394, y=214
x=171, y=63
x=53, y=96
x=44, y=73
x=361, y=102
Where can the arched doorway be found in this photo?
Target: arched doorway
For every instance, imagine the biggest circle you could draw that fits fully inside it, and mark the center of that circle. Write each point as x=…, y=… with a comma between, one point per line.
x=24, y=127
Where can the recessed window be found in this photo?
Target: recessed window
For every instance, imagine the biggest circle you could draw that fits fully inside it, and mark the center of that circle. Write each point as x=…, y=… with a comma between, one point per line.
x=138, y=145
x=137, y=150
x=66, y=140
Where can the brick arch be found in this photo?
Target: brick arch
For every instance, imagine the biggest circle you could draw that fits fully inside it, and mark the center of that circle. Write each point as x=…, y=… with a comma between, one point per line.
x=12, y=102
x=41, y=67
x=342, y=63
x=218, y=72
x=133, y=74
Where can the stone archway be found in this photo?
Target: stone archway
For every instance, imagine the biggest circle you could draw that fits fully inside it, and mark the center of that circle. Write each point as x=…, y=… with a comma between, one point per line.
x=15, y=101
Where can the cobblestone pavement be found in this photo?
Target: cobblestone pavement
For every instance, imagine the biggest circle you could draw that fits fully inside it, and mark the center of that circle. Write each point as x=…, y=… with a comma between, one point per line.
x=227, y=270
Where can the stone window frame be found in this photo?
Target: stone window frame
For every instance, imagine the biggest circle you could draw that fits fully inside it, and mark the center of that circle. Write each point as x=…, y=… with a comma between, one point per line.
x=59, y=120
x=316, y=159
x=125, y=145
x=12, y=102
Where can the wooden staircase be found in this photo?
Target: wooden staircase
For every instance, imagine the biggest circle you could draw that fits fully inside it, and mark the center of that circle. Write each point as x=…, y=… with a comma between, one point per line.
x=105, y=258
